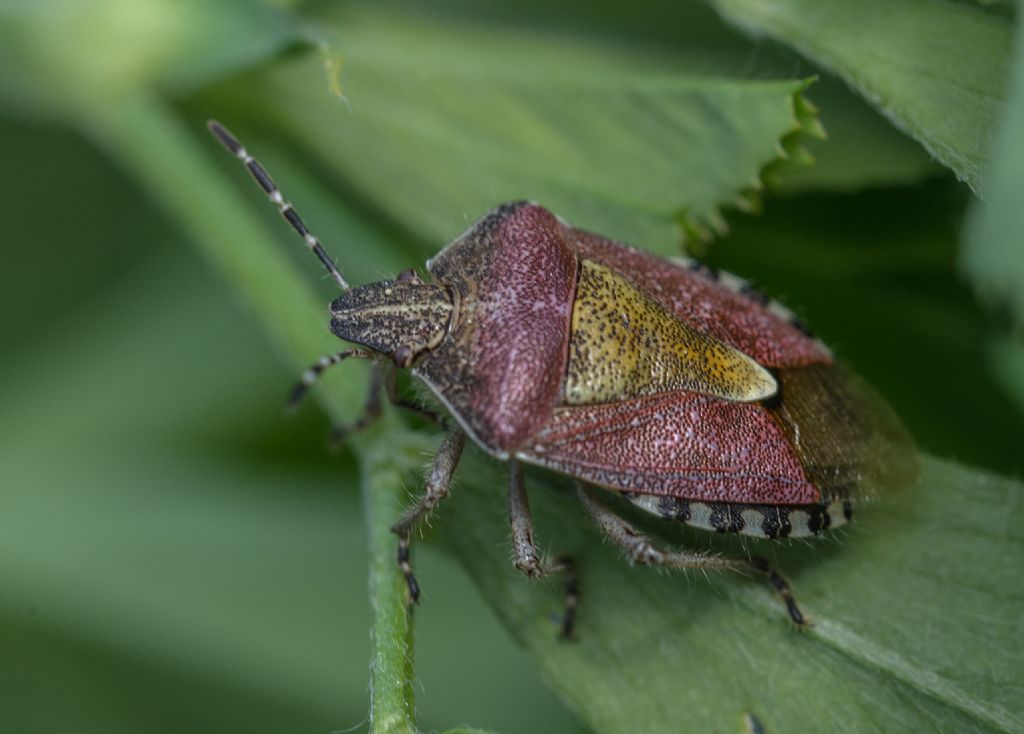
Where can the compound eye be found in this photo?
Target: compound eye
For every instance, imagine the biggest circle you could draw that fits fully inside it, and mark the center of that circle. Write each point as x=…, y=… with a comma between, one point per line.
x=403, y=356
x=408, y=276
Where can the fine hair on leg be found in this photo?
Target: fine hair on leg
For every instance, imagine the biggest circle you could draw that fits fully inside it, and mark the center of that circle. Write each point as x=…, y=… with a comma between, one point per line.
x=642, y=551
x=524, y=548
x=438, y=482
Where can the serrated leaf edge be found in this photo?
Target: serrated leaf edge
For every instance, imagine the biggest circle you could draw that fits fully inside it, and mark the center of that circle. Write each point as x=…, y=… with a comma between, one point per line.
x=698, y=230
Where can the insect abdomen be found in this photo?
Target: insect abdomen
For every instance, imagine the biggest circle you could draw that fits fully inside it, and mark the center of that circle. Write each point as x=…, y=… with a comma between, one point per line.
x=761, y=521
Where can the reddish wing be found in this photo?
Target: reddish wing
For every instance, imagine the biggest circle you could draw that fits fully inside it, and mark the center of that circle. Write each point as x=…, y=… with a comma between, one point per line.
x=824, y=437
x=706, y=304
x=679, y=444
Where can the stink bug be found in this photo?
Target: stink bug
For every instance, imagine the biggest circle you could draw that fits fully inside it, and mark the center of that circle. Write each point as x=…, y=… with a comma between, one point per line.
x=681, y=388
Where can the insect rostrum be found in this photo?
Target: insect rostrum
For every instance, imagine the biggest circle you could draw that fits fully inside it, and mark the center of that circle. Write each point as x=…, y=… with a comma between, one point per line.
x=682, y=388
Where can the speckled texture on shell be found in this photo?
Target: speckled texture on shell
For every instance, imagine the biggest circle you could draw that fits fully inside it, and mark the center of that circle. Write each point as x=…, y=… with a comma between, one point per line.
x=623, y=345
x=500, y=370
x=704, y=304
x=825, y=437
x=387, y=315
x=679, y=444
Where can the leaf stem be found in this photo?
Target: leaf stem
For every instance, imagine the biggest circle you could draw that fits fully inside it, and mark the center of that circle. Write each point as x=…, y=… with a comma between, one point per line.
x=146, y=137
x=391, y=666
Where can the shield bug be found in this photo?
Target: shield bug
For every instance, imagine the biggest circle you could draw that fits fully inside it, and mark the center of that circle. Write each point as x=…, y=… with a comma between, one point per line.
x=681, y=388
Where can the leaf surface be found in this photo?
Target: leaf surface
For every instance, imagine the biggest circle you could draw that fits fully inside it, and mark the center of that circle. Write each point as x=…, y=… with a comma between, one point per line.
x=938, y=70
x=613, y=143
x=910, y=634
x=993, y=251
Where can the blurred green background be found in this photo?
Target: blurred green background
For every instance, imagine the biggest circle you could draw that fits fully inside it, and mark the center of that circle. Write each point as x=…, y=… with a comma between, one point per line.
x=174, y=553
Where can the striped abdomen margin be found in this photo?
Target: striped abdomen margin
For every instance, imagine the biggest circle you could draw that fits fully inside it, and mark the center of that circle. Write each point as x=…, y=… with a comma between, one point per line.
x=761, y=521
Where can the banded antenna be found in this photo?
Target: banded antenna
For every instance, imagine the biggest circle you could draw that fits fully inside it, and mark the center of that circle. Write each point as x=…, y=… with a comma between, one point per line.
x=260, y=175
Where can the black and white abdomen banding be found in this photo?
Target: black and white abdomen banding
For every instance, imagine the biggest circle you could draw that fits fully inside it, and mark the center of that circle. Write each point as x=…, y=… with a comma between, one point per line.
x=760, y=521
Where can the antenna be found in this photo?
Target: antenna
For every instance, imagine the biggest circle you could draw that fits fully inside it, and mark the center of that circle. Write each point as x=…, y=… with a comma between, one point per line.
x=259, y=173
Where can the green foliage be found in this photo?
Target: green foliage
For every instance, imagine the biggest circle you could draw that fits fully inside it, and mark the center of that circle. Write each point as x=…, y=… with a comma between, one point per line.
x=897, y=617
x=169, y=563
x=994, y=249
x=900, y=56
x=610, y=142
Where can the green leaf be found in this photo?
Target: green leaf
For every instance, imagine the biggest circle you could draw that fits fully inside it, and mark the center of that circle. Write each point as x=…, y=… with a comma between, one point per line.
x=862, y=149
x=631, y=149
x=993, y=250
x=139, y=133
x=915, y=610
x=149, y=556
x=938, y=70
x=1007, y=357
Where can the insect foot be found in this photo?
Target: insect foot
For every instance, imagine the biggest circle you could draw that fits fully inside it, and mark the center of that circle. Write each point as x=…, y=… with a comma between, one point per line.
x=438, y=483
x=761, y=564
x=642, y=551
x=572, y=596
x=526, y=556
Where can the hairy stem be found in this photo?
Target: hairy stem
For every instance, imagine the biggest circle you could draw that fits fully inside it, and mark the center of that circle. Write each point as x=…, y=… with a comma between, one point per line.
x=147, y=138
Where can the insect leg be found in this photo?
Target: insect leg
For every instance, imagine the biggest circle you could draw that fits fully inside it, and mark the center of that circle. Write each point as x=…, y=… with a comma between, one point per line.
x=437, y=489
x=572, y=596
x=752, y=724
x=312, y=374
x=395, y=399
x=371, y=408
x=520, y=521
x=643, y=552
x=383, y=374
x=527, y=559
x=762, y=565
